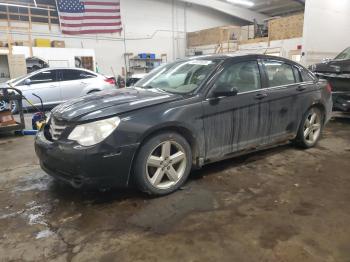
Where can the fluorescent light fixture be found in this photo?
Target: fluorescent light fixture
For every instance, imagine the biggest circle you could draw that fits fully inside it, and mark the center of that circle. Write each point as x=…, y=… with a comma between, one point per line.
x=242, y=2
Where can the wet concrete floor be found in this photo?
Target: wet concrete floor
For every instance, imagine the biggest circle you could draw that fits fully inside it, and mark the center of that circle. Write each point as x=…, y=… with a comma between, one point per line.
x=282, y=204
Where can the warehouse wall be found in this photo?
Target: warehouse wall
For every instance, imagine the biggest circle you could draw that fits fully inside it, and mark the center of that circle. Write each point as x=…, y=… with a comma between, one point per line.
x=156, y=26
x=326, y=29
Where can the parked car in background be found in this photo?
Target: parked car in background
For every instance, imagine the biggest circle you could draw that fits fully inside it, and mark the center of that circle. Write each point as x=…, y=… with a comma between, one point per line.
x=337, y=72
x=56, y=85
x=132, y=80
x=185, y=114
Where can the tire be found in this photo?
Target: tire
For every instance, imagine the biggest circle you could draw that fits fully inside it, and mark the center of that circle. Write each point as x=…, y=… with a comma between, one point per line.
x=310, y=128
x=12, y=106
x=162, y=164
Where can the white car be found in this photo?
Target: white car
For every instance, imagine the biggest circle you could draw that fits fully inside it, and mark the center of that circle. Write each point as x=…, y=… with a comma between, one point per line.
x=56, y=85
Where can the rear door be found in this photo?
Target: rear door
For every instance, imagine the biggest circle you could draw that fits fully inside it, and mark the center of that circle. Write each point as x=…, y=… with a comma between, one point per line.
x=73, y=82
x=43, y=84
x=232, y=123
x=286, y=96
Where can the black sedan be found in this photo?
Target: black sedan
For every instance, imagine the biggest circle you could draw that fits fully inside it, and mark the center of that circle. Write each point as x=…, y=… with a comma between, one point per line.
x=183, y=116
x=337, y=73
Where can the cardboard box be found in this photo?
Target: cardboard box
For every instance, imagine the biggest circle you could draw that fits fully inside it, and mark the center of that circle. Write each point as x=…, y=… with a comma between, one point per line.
x=6, y=119
x=59, y=44
x=42, y=42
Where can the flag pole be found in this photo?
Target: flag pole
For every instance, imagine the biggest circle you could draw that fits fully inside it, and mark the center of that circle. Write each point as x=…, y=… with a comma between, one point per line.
x=58, y=14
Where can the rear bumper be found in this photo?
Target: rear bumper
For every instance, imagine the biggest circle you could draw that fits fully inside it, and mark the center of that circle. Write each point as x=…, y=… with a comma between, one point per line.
x=101, y=166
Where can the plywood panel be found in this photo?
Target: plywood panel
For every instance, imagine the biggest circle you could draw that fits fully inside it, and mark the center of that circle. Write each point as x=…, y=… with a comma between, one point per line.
x=212, y=36
x=286, y=27
x=17, y=65
x=254, y=40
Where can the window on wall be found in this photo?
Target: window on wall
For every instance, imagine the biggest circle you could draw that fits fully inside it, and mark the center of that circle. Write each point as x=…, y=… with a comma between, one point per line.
x=21, y=12
x=279, y=73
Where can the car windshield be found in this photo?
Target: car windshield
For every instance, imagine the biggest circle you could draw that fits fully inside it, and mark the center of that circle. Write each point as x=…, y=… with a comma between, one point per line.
x=344, y=55
x=180, y=77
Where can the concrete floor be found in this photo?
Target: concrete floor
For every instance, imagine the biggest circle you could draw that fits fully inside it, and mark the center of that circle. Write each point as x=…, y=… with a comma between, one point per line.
x=283, y=204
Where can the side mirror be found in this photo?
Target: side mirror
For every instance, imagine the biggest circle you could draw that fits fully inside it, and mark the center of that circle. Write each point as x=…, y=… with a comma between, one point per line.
x=224, y=90
x=325, y=60
x=27, y=81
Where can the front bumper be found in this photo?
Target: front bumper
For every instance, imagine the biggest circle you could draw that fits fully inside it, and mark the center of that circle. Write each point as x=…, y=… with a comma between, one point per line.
x=101, y=166
x=341, y=101
x=341, y=90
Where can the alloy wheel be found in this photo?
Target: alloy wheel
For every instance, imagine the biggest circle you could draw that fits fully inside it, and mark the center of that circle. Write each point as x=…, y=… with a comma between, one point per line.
x=166, y=165
x=3, y=105
x=312, y=127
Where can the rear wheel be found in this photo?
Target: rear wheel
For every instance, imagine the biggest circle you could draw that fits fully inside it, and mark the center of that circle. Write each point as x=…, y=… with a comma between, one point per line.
x=163, y=164
x=310, y=129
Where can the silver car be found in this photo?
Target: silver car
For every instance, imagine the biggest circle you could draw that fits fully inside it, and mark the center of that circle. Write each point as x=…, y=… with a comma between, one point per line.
x=57, y=85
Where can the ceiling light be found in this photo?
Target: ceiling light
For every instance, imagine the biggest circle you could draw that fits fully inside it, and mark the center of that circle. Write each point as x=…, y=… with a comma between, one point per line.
x=242, y=2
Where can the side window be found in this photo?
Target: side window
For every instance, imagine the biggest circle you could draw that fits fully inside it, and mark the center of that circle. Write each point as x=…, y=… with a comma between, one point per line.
x=306, y=76
x=279, y=73
x=84, y=74
x=68, y=75
x=297, y=75
x=244, y=76
x=43, y=77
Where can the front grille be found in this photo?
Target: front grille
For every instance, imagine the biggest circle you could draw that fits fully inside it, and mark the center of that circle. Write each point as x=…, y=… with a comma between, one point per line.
x=56, y=129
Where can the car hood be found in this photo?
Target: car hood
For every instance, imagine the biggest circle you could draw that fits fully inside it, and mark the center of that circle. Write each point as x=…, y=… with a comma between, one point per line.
x=110, y=102
x=332, y=67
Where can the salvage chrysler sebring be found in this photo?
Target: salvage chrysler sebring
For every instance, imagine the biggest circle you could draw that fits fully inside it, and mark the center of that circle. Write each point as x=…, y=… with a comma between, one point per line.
x=182, y=116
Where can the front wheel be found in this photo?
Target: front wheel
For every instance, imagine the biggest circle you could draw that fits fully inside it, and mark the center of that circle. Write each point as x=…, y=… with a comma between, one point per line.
x=310, y=129
x=163, y=164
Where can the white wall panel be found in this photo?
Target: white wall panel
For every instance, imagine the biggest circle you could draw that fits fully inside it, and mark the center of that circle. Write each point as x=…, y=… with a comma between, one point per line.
x=326, y=29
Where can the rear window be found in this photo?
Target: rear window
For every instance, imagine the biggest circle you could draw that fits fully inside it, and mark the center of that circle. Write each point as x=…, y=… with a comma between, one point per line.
x=69, y=75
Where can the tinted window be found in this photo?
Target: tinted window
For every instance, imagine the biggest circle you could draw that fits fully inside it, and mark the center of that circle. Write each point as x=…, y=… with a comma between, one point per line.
x=68, y=75
x=244, y=76
x=306, y=76
x=297, y=75
x=43, y=77
x=279, y=73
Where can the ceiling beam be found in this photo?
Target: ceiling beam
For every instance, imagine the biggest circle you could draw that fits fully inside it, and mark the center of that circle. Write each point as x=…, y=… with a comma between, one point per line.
x=277, y=6
x=230, y=9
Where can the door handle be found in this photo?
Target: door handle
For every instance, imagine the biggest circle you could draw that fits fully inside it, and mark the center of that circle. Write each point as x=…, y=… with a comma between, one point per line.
x=260, y=96
x=52, y=86
x=301, y=88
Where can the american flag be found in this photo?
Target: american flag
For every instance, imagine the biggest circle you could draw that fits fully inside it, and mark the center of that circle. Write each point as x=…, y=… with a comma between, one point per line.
x=89, y=16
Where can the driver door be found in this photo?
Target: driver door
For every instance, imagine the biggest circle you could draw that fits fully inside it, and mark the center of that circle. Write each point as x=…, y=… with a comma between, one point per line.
x=232, y=123
x=45, y=85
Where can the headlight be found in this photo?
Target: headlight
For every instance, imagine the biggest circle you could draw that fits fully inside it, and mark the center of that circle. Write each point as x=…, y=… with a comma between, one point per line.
x=95, y=132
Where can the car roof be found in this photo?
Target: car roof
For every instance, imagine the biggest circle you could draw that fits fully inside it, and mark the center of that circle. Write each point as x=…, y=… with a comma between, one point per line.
x=239, y=55
x=65, y=68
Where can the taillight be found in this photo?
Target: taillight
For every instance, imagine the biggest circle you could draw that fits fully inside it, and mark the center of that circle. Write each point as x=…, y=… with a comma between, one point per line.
x=110, y=81
x=329, y=88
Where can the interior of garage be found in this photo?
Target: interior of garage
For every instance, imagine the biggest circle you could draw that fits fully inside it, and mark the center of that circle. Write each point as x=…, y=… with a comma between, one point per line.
x=278, y=204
